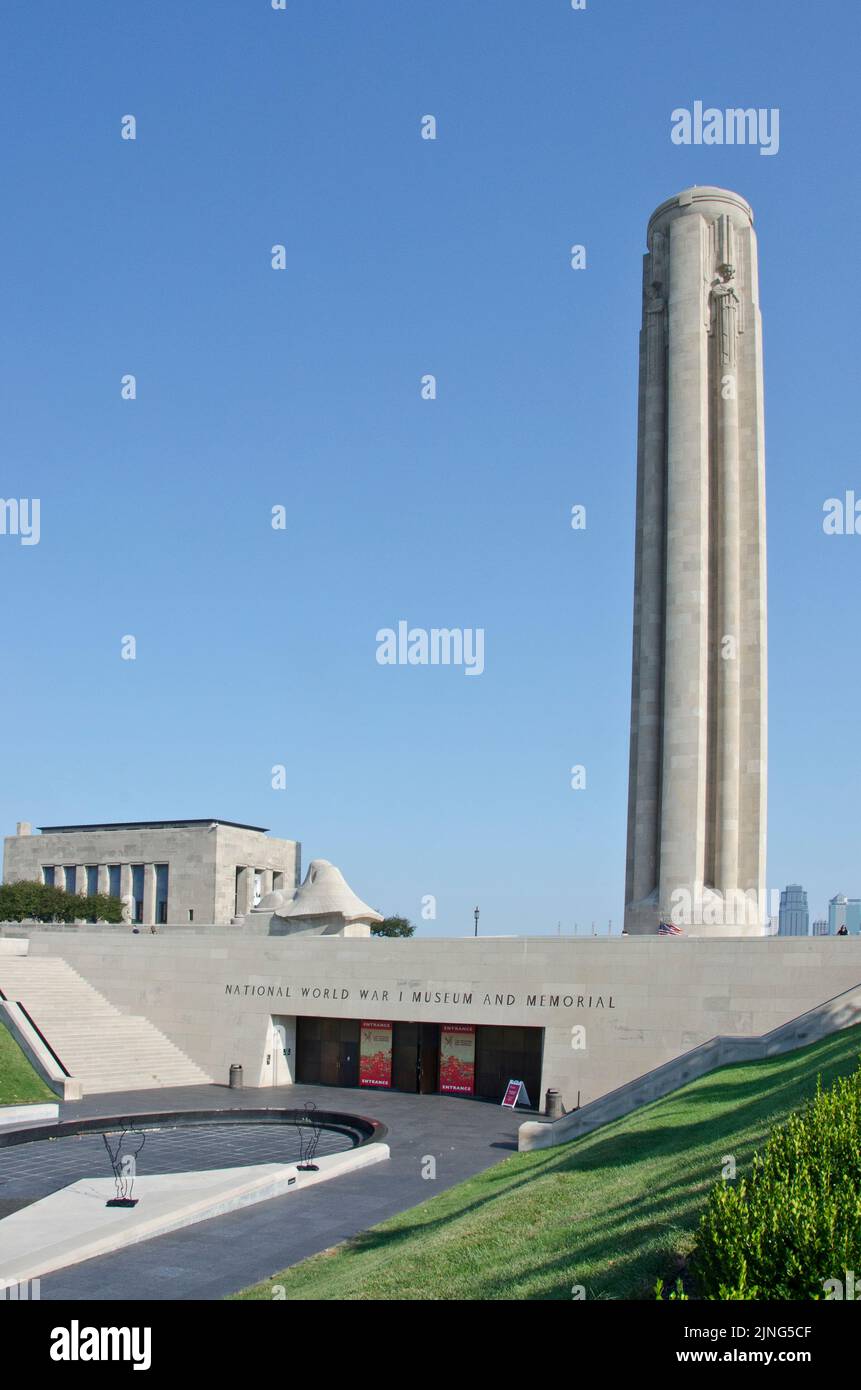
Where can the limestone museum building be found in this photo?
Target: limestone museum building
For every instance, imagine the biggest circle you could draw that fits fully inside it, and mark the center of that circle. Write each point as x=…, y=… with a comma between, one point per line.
x=298, y=989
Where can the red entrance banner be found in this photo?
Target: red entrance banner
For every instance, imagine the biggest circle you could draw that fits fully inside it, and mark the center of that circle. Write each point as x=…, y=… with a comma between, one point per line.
x=375, y=1053
x=457, y=1058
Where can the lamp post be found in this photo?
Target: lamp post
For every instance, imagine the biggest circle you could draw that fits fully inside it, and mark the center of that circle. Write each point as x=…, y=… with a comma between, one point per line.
x=475, y=915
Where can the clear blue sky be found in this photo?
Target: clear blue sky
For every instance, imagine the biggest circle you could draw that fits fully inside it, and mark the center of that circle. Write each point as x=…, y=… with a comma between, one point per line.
x=404, y=256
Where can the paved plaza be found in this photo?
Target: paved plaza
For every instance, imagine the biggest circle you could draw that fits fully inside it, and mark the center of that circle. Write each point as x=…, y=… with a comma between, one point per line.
x=225, y=1254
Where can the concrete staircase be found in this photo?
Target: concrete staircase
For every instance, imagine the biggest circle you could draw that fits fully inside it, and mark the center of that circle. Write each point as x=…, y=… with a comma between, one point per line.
x=104, y=1049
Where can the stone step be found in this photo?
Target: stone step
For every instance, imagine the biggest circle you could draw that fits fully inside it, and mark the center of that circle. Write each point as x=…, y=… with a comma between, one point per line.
x=139, y=1084
x=77, y=1064
x=72, y=1016
x=140, y=1037
x=86, y=1053
x=128, y=1078
x=103, y=1048
x=72, y=1000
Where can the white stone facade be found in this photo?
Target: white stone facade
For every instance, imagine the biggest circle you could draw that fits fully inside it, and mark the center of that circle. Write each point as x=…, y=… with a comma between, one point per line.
x=697, y=785
x=215, y=869
x=611, y=1009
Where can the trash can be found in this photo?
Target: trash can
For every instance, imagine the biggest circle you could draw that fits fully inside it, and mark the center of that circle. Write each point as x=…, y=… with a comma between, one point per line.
x=235, y=1076
x=553, y=1108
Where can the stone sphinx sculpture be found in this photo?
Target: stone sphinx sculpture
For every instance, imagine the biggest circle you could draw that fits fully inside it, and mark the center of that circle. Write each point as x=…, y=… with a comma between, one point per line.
x=324, y=905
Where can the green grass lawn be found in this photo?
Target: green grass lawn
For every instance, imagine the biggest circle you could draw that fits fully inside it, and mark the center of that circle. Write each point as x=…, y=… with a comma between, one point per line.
x=19, y=1083
x=611, y=1211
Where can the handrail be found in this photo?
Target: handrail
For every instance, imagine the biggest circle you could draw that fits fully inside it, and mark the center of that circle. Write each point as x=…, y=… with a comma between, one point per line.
x=37, y=1030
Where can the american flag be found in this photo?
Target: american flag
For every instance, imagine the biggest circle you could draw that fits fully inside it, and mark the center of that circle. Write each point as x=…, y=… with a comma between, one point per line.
x=668, y=929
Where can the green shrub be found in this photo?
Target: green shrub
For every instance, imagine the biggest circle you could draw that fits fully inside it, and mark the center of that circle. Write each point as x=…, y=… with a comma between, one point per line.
x=673, y=1295
x=44, y=903
x=796, y=1221
x=393, y=926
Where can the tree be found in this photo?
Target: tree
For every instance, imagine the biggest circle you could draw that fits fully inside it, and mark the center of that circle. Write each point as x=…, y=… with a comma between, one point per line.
x=42, y=902
x=393, y=926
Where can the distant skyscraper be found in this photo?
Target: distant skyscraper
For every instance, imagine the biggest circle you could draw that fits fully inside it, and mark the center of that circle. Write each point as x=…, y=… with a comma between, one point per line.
x=844, y=912
x=820, y=927
x=794, y=919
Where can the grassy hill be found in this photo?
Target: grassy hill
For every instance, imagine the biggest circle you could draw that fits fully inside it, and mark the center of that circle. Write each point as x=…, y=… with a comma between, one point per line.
x=610, y=1211
x=19, y=1083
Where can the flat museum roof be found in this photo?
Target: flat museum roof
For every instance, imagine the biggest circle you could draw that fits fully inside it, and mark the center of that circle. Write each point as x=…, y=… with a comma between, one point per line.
x=149, y=825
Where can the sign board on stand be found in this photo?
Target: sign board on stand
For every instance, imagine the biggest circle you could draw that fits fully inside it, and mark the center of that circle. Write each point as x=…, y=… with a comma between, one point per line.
x=516, y=1094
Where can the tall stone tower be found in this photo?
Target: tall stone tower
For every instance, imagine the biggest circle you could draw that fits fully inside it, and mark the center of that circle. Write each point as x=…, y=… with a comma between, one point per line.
x=697, y=789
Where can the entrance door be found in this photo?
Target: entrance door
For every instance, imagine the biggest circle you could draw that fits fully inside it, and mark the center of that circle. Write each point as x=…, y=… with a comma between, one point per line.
x=506, y=1054
x=428, y=1059
x=327, y=1051
x=348, y=1062
x=280, y=1058
x=405, y=1043
x=415, y=1057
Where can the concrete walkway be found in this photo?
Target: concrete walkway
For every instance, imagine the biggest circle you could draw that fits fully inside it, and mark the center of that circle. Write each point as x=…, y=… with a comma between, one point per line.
x=228, y=1253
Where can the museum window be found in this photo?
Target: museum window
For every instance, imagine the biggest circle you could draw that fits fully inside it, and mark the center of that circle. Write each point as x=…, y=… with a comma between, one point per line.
x=161, y=880
x=114, y=880
x=48, y=875
x=92, y=876
x=70, y=877
x=137, y=893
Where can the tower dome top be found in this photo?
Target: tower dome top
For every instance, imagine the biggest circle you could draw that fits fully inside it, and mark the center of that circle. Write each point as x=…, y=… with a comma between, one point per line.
x=708, y=201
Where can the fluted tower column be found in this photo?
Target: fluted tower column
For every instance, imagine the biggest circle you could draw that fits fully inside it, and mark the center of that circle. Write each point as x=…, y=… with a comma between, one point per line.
x=696, y=809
